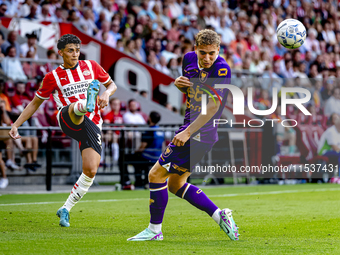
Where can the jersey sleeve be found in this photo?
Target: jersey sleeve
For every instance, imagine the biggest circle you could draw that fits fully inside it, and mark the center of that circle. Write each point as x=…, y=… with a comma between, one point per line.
x=99, y=73
x=47, y=86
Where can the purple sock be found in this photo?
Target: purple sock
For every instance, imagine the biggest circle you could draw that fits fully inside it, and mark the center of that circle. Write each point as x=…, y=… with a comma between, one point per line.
x=197, y=198
x=158, y=201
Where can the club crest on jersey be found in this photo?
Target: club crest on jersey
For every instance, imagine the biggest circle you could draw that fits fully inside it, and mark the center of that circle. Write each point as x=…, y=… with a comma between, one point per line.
x=167, y=152
x=86, y=72
x=203, y=76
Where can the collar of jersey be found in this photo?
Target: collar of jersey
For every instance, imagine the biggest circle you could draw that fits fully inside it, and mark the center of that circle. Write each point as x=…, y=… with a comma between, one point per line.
x=198, y=65
x=73, y=68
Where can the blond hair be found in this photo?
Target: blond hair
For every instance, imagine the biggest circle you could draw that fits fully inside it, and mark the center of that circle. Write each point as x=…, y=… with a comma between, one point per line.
x=207, y=37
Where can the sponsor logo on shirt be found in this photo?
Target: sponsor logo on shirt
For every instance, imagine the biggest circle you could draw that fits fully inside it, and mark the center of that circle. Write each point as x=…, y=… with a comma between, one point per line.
x=75, y=88
x=86, y=72
x=203, y=76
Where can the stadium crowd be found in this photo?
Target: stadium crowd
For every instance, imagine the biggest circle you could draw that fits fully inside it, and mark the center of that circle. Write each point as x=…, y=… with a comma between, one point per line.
x=159, y=33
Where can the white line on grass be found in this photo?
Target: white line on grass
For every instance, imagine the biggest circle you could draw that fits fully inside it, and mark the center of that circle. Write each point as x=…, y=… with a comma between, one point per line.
x=223, y=195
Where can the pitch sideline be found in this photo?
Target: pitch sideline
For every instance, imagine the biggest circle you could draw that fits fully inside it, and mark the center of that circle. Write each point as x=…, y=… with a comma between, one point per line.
x=223, y=195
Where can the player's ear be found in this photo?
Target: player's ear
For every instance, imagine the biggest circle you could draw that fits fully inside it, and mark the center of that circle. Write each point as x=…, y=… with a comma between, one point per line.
x=195, y=49
x=60, y=53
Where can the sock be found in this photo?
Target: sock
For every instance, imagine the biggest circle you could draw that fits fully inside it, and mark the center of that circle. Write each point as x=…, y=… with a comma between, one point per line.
x=80, y=107
x=217, y=216
x=158, y=201
x=79, y=190
x=115, y=151
x=156, y=228
x=197, y=198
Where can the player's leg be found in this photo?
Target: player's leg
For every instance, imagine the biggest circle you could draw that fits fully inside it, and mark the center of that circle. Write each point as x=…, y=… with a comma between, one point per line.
x=78, y=109
x=91, y=161
x=88, y=135
x=196, y=197
x=158, y=202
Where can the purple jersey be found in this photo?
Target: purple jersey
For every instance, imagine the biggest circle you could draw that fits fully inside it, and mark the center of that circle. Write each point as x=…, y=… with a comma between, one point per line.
x=204, y=80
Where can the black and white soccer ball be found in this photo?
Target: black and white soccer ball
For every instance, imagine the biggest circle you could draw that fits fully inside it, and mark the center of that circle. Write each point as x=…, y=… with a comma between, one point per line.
x=291, y=33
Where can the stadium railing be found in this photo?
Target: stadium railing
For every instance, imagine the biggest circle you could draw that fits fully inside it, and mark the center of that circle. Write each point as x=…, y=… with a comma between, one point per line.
x=49, y=154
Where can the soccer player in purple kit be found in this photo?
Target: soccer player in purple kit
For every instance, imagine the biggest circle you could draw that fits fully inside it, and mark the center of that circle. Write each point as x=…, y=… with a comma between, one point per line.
x=202, y=69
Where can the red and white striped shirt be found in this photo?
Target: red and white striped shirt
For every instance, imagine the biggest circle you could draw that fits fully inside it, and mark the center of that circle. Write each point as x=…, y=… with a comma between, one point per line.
x=70, y=85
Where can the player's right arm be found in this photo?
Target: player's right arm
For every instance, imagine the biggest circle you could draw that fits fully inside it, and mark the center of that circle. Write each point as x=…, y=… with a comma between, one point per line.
x=30, y=109
x=183, y=83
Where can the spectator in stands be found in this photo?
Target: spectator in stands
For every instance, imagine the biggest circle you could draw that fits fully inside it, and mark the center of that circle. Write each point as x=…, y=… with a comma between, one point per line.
x=144, y=94
x=49, y=66
x=329, y=144
x=11, y=41
x=30, y=68
x=105, y=28
x=12, y=66
x=25, y=8
x=3, y=10
x=45, y=14
x=132, y=116
x=174, y=32
x=12, y=8
x=173, y=68
x=327, y=91
x=33, y=12
x=113, y=117
x=284, y=133
x=333, y=103
x=30, y=45
x=152, y=60
x=165, y=17
x=87, y=21
x=163, y=66
x=5, y=121
x=29, y=139
x=115, y=26
x=147, y=154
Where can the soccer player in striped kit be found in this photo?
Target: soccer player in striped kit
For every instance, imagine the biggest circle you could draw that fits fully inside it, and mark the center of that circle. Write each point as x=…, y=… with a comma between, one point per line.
x=75, y=87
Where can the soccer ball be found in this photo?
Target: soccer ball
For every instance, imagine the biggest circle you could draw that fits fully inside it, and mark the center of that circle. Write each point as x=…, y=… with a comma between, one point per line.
x=291, y=33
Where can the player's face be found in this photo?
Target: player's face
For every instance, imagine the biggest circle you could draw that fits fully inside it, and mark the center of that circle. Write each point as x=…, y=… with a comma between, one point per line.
x=70, y=55
x=206, y=54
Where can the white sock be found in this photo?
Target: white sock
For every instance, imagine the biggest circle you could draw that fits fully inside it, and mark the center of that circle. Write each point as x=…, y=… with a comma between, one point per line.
x=156, y=228
x=115, y=151
x=216, y=216
x=79, y=190
x=80, y=107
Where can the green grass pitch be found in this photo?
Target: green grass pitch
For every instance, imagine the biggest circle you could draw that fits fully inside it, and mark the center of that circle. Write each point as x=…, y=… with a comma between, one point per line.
x=300, y=219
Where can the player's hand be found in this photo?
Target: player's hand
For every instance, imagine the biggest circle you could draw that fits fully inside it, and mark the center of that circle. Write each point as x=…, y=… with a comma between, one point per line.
x=181, y=138
x=103, y=100
x=183, y=82
x=13, y=133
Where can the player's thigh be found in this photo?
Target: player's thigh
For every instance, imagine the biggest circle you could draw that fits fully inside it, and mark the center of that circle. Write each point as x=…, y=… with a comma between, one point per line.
x=175, y=181
x=158, y=174
x=91, y=161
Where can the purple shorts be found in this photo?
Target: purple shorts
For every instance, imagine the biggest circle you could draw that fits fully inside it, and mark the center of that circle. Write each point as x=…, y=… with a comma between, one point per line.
x=180, y=160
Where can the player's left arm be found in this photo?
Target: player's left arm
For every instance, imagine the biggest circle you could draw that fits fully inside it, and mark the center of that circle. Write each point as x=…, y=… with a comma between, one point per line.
x=103, y=100
x=181, y=138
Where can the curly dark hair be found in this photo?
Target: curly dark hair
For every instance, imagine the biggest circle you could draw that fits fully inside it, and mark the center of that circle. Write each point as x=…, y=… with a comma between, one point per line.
x=67, y=39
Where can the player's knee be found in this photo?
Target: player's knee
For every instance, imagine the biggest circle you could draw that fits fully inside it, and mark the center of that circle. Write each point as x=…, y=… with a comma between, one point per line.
x=90, y=170
x=173, y=188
